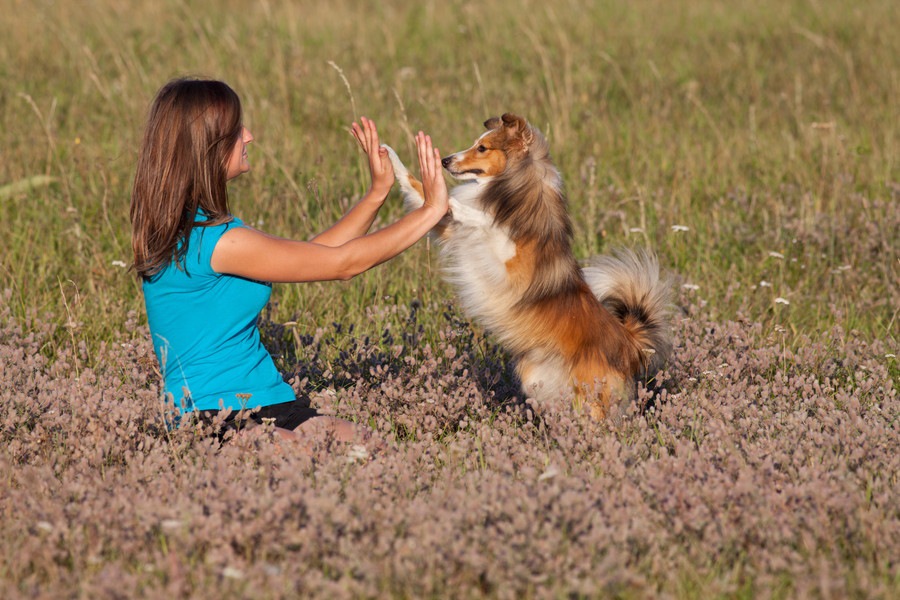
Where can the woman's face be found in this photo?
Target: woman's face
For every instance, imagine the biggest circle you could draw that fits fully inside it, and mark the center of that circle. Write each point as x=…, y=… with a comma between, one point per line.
x=238, y=162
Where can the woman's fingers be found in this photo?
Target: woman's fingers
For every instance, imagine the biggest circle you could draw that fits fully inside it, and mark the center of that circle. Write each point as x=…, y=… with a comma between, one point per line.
x=426, y=155
x=432, y=176
x=380, y=168
x=366, y=134
x=362, y=138
x=373, y=133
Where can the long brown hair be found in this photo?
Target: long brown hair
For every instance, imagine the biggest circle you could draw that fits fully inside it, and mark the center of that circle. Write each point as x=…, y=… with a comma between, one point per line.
x=191, y=131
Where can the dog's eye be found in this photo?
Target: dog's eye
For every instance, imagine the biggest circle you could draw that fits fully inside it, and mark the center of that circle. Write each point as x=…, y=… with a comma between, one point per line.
x=482, y=149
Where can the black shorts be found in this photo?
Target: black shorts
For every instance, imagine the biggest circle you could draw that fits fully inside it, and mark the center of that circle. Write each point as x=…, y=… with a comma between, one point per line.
x=287, y=415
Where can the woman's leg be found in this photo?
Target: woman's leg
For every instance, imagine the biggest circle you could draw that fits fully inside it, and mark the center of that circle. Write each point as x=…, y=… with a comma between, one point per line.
x=324, y=429
x=320, y=431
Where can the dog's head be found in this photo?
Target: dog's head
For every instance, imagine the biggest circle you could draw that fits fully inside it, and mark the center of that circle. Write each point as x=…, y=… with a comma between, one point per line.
x=507, y=139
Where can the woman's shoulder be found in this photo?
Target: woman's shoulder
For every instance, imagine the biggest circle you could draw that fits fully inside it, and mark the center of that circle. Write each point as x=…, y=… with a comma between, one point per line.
x=205, y=235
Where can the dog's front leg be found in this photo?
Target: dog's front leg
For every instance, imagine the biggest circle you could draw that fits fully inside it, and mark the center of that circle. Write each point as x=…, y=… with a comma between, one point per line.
x=414, y=194
x=469, y=216
x=410, y=187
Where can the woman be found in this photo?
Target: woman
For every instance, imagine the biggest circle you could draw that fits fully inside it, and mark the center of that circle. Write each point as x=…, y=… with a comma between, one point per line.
x=206, y=275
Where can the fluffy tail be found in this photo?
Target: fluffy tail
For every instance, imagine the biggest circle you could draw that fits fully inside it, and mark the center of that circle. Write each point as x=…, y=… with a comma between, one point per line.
x=628, y=284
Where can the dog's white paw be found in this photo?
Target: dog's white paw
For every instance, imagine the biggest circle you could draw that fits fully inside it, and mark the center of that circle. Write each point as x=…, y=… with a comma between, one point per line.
x=468, y=215
x=399, y=167
x=411, y=197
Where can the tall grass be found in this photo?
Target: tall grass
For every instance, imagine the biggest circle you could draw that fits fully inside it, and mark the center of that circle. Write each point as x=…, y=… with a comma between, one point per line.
x=769, y=131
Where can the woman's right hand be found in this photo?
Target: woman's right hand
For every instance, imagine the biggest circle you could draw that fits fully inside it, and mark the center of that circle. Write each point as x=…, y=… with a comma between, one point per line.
x=435, y=187
x=380, y=167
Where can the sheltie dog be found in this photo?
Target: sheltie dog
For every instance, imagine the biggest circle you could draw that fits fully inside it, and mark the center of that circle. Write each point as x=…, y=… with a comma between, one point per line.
x=506, y=246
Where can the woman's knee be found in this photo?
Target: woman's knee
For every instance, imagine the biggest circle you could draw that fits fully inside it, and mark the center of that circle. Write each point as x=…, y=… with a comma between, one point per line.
x=332, y=428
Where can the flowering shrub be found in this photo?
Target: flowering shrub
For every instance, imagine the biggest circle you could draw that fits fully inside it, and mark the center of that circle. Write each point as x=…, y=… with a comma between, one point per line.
x=756, y=471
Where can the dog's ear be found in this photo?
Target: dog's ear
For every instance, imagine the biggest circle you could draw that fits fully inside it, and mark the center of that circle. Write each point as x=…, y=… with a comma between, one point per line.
x=492, y=123
x=519, y=126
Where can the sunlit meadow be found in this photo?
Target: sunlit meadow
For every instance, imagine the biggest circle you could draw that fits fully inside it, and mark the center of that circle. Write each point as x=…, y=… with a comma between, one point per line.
x=754, y=146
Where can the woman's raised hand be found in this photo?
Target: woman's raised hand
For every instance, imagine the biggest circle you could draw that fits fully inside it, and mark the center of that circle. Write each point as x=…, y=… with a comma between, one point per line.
x=380, y=167
x=435, y=187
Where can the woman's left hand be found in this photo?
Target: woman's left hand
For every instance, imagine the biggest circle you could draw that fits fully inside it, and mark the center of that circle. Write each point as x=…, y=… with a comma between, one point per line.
x=380, y=167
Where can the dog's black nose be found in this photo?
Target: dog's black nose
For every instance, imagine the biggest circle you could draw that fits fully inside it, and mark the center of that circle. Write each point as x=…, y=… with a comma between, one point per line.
x=446, y=161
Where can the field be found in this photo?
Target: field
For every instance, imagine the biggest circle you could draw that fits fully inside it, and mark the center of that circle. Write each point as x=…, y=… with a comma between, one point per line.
x=754, y=146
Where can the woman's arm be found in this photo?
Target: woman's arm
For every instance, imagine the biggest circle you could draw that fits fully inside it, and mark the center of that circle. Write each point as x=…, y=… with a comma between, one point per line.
x=253, y=254
x=359, y=219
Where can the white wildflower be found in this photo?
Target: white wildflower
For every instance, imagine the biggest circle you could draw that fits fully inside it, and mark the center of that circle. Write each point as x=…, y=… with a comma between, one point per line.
x=636, y=230
x=890, y=355
x=765, y=283
x=170, y=524
x=781, y=300
x=44, y=526
x=357, y=452
x=549, y=473
x=776, y=255
x=690, y=286
x=679, y=228
x=119, y=263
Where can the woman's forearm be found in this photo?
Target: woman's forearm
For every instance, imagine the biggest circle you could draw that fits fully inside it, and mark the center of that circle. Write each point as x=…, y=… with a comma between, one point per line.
x=363, y=253
x=256, y=255
x=355, y=223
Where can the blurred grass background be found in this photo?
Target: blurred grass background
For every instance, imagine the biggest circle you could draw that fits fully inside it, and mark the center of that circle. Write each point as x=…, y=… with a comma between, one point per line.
x=754, y=146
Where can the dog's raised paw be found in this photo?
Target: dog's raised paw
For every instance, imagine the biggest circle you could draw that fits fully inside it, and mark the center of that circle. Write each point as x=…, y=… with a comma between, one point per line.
x=409, y=186
x=399, y=167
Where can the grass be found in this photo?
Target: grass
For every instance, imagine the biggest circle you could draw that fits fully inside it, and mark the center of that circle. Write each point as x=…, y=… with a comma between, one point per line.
x=754, y=146
x=766, y=131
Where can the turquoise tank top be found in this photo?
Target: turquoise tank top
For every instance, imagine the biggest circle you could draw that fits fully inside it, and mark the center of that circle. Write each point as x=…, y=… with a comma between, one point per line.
x=204, y=331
